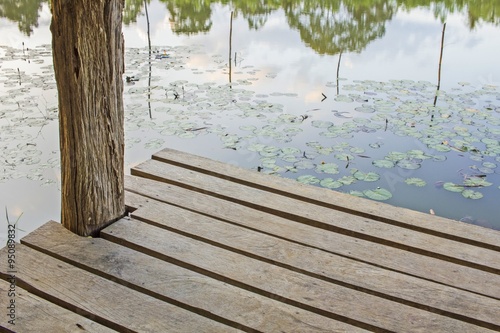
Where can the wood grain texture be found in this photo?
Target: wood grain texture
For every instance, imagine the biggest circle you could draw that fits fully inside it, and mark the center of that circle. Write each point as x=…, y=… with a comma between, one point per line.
x=340, y=201
x=359, y=308
x=361, y=250
x=35, y=314
x=212, y=298
x=101, y=300
x=343, y=271
x=87, y=44
x=322, y=217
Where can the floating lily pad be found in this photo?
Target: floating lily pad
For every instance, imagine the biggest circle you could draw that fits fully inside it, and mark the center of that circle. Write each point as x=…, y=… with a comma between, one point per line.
x=452, y=187
x=330, y=168
x=477, y=182
x=408, y=164
x=321, y=123
x=331, y=183
x=367, y=177
x=380, y=194
x=308, y=179
x=357, y=193
x=470, y=194
x=347, y=180
x=304, y=165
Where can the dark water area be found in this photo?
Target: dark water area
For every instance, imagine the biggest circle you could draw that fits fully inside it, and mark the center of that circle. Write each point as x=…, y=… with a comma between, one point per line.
x=338, y=94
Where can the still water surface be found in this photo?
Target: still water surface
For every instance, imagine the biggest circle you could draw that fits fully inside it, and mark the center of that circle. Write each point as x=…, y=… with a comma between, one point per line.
x=336, y=94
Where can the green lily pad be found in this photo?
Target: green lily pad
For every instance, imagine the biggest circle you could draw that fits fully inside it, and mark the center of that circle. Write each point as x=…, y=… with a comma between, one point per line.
x=408, y=164
x=290, y=151
x=379, y=194
x=470, y=194
x=477, y=182
x=357, y=193
x=304, y=165
x=452, y=187
x=367, y=177
x=330, y=168
x=308, y=179
x=347, y=180
x=331, y=183
x=321, y=123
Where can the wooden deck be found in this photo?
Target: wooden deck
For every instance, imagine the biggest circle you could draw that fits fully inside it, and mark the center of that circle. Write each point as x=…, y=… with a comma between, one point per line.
x=210, y=247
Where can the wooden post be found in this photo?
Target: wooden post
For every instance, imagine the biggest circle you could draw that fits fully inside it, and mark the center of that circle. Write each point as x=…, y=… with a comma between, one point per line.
x=87, y=44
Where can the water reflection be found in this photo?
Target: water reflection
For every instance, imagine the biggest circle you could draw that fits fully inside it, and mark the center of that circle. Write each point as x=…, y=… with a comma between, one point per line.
x=275, y=49
x=24, y=12
x=328, y=27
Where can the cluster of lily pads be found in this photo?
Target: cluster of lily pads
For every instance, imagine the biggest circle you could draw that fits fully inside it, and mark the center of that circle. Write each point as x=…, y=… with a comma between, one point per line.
x=352, y=141
x=28, y=109
x=432, y=128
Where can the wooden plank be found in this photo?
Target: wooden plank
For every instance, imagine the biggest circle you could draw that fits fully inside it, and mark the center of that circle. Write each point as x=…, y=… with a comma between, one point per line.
x=163, y=280
x=353, y=274
x=35, y=314
x=279, y=283
x=340, y=201
x=391, y=258
x=323, y=217
x=95, y=297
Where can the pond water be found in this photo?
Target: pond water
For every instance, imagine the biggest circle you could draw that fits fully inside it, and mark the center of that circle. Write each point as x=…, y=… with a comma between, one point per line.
x=334, y=94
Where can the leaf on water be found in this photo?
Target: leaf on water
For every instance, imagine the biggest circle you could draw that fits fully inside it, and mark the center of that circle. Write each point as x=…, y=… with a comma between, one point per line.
x=330, y=168
x=357, y=193
x=331, y=183
x=470, y=194
x=477, y=182
x=290, y=151
x=415, y=181
x=308, y=179
x=367, y=177
x=347, y=180
x=408, y=164
x=379, y=194
x=321, y=123
x=304, y=165
x=344, y=157
x=452, y=187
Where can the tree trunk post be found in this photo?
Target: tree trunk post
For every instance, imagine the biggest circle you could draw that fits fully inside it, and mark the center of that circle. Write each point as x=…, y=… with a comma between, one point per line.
x=88, y=51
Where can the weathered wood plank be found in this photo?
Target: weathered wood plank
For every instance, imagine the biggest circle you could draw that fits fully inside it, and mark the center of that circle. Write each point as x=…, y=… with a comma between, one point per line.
x=402, y=288
x=95, y=297
x=237, y=307
x=323, y=217
x=279, y=283
x=391, y=258
x=35, y=314
x=340, y=201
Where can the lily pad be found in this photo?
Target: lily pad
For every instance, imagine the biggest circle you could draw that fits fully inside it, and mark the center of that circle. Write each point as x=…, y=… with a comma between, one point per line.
x=470, y=194
x=308, y=179
x=330, y=168
x=304, y=165
x=452, y=187
x=357, y=193
x=408, y=164
x=367, y=177
x=331, y=183
x=379, y=194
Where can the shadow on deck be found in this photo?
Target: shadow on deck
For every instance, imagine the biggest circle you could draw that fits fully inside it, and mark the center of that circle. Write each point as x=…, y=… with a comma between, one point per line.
x=209, y=247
